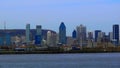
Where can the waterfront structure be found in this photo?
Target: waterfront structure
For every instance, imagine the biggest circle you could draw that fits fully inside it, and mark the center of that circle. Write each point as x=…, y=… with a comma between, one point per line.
x=97, y=33
x=38, y=37
x=27, y=34
x=116, y=34
x=82, y=35
x=62, y=33
x=74, y=34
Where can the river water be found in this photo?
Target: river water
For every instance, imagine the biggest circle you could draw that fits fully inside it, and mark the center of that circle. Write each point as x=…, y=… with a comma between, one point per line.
x=85, y=60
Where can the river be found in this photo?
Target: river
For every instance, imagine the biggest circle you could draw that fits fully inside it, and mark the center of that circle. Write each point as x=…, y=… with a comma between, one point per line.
x=84, y=60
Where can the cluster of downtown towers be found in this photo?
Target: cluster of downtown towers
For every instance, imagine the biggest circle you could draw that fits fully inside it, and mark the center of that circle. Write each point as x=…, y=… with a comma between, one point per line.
x=80, y=36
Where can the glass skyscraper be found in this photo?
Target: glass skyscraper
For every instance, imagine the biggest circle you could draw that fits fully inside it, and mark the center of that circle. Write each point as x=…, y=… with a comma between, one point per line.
x=38, y=37
x=27, y=34
x=62, y=33
x=116, y=34
x=97, y=34
x=74, y=34
x=81, y=34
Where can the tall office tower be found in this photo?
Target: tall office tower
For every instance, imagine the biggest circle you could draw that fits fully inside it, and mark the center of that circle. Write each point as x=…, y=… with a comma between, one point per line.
x=49, y=38
x=81, y=34
x=28, y=34
x=101, y=35
x=116, y=34
x=62, y=33
x=74, y=34
x=110, y=36
x=90, y=35
x=97, y=34
x=38, y=30
x=38, y=37
x=54, y=39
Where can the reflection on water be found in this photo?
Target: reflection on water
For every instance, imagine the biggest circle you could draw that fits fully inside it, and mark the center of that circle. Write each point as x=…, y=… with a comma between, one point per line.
x=99, y=60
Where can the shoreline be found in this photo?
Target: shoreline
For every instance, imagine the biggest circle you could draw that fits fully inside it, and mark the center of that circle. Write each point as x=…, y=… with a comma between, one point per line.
x=53, y=52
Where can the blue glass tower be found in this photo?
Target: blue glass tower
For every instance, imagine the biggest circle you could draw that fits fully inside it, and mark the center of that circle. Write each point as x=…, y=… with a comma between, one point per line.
x=74, y=34
x=96, y=34
x=116, y=34
x=38, y=37
x=62, y=33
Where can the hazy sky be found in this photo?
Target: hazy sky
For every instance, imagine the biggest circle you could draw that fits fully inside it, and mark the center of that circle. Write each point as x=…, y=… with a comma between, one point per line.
x=95, y=14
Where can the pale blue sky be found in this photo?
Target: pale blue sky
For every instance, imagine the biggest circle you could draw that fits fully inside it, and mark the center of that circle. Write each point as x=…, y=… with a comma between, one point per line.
x=95, y=14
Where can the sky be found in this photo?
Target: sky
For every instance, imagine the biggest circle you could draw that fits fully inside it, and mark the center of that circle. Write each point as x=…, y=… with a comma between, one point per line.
x=94, y=14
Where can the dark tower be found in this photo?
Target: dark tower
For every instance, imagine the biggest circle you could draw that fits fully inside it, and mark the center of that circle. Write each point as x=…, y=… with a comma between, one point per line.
x=96, y=34
x=74, y=34
x=62, y=33
x=116, y=34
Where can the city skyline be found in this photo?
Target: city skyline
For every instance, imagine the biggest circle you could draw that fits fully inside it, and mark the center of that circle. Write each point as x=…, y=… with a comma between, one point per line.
x=94, y=14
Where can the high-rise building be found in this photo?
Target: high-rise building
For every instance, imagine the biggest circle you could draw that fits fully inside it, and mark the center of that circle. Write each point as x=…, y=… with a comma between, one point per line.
x=49, y=38
x=38, y=37
x=54, y=39
x=81, y=35
x=97, y=33
x=62, y=33
x=27, y=34
x=110, y=36
x=74, y=34
x=38, y=30
x=90, y=35
x=101, y=35
x=116, y=34
x=90, y=40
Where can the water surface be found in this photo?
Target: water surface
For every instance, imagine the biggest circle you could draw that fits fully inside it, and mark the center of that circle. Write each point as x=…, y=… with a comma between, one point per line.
x=89, y=60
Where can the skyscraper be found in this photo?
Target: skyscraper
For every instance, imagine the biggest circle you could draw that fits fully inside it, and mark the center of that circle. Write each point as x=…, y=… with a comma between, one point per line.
x=90, y=35
x=81, y=34
x=116, y=34
x=74, y=34
x=38, y=37
x=110, y=36
x=49, y=38
x=38, y=30
x=97, y=32
x=28, y=34
x=62, y=33
x=100, y=37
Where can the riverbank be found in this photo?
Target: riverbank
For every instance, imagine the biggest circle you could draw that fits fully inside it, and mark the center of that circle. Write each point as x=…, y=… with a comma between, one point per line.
x=55, y=52
x=62, y=51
